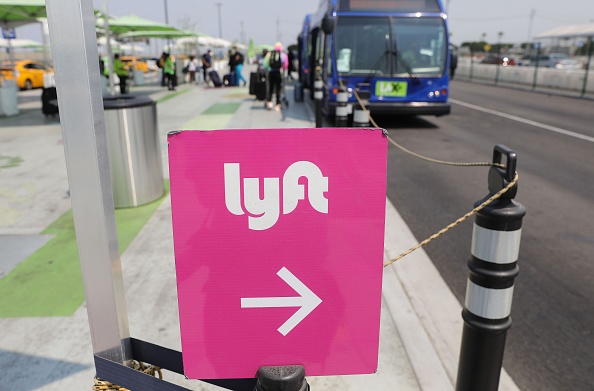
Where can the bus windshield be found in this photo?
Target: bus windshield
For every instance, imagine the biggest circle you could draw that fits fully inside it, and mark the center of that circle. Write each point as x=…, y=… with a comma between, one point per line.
x=390, y=46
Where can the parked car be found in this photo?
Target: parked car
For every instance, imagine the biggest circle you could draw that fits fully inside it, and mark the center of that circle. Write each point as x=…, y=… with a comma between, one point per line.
x=29, y=74
x=550, y=60
x=569, y=63
x=497, y=59
x=134, y=63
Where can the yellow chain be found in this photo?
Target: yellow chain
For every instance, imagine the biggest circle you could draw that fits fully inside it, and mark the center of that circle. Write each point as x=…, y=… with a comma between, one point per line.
x=103, y=385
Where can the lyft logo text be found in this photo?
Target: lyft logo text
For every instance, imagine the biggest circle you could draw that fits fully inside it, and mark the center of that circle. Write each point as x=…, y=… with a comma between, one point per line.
x=264, y=209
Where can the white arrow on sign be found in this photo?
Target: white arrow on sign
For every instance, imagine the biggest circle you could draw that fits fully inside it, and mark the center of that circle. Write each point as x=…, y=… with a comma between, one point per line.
x=307, y=300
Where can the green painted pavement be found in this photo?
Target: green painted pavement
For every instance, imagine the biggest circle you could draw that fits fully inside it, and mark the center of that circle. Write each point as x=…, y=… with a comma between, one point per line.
x=49, y=282
x=215, y=117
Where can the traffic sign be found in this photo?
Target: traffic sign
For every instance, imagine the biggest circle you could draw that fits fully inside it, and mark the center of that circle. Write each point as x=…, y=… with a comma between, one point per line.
x=8, y=33
x=278, y=238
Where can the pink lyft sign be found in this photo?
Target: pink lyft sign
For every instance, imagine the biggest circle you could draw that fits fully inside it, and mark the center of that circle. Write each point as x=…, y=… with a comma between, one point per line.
x=279, y=237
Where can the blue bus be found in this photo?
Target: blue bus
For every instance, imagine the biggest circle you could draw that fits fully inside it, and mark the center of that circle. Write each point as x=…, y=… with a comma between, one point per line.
x=392, y=54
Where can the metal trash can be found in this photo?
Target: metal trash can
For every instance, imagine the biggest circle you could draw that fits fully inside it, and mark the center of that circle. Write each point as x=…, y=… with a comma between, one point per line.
x=133, y=149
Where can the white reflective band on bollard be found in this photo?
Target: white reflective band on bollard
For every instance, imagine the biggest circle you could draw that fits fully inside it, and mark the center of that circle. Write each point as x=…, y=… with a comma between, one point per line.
x=318, y=84
x=318, y=95
x=361, y=116
x=488, y=303
x=342, y=97
x=495, y=246
x=342, y=111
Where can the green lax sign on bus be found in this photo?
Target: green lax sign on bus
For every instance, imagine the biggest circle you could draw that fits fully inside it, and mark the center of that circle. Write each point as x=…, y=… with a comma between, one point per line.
x=391, y=88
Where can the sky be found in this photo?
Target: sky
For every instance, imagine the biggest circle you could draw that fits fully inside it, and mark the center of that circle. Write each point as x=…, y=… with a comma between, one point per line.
x=267, y=21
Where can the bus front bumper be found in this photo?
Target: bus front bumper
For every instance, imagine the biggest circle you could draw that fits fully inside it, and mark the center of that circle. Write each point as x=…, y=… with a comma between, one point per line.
x=402, y=108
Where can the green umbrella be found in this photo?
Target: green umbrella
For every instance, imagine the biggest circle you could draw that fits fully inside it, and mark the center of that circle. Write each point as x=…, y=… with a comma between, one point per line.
x=126, y=24
x=159, y=34
x=14, y=13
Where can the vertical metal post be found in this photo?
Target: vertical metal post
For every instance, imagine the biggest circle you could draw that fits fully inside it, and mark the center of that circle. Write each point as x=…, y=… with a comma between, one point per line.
x=493, y=268
x=585, y=85
x=535, y=79
x=342, y=114
x=282, y=378
x=318, y=95
x=471, y=64
x=74, y=49
x=360, y=117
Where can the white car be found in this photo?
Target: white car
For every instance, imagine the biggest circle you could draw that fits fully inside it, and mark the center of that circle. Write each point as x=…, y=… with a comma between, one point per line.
x=569, y=63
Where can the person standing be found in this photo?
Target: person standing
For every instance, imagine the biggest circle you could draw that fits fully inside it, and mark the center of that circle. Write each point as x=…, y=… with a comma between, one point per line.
x=192, y=67
x=239, y=59
x=206, y=64
x=276, y=62
x=122, y=71
x=161, y=65
x=169, y=71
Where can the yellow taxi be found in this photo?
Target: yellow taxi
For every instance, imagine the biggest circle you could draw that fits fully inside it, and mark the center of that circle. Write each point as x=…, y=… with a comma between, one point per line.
x=29, y=74
x=134, y=63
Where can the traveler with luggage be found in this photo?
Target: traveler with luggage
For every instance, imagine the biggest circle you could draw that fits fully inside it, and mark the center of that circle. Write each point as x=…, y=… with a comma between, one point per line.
x=169, y=71
x=276, y=62
x=206, y=64
x=239, y=59
x=122, y=71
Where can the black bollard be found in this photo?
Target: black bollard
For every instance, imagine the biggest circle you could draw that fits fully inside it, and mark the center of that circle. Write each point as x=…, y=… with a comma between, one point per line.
x=282, y=378
x=342, y=113
x=493, y=268
x=318, y=95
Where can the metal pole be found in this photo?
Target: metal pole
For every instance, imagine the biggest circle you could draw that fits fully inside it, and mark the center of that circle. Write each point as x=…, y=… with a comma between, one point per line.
x=499, y=34
x=585, y=85
x=110, y=70
x=282, y=378
x=167, y=23
x=220, y=22
x=493, y=268
x=342, y=114
x=534, y=80
x=74, y=49
x=318, y=95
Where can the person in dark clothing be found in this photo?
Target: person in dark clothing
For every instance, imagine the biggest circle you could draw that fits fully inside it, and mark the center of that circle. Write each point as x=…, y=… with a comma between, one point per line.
x=206, y=64
x=453, y=61
x=276, y=62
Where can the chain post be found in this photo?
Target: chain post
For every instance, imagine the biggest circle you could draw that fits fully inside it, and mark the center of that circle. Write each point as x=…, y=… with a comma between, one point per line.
x=492, y=271
x=361, y=117
x=342, y=113
x=318, y=95
x=281, y=378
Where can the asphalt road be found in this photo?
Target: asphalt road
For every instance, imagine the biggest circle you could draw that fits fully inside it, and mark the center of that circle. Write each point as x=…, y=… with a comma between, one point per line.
x=551, y=344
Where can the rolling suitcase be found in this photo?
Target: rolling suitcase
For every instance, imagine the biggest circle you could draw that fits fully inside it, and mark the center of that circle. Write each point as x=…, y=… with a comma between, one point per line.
x=49, y=101
x=216, y=80
x=253, y=81
x=230, y=80
x=261, y=86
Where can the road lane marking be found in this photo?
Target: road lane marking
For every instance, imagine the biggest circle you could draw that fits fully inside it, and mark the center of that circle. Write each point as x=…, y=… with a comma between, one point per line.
x=525, y=121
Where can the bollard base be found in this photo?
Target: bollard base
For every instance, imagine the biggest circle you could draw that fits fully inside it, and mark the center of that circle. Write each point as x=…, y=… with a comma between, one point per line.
x=282, y=378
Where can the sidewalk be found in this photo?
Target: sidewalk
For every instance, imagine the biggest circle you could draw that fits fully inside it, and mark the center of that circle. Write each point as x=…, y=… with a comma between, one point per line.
x=421, y=323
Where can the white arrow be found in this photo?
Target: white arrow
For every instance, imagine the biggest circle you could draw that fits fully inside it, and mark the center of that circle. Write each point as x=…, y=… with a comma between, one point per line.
x=307, y=300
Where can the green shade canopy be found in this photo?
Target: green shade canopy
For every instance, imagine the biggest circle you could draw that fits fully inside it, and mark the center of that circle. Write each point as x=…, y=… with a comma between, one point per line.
x=127, y=24
x=259, y=48
x=251, y=49
x=159, y=34
x=14, y=13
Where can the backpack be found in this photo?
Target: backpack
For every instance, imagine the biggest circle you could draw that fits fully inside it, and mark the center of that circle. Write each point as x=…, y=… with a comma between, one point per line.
x=275, y=61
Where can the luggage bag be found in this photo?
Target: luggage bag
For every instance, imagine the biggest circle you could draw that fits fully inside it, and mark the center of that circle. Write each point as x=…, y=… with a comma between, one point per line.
x=216, y=79
x=49, y=101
